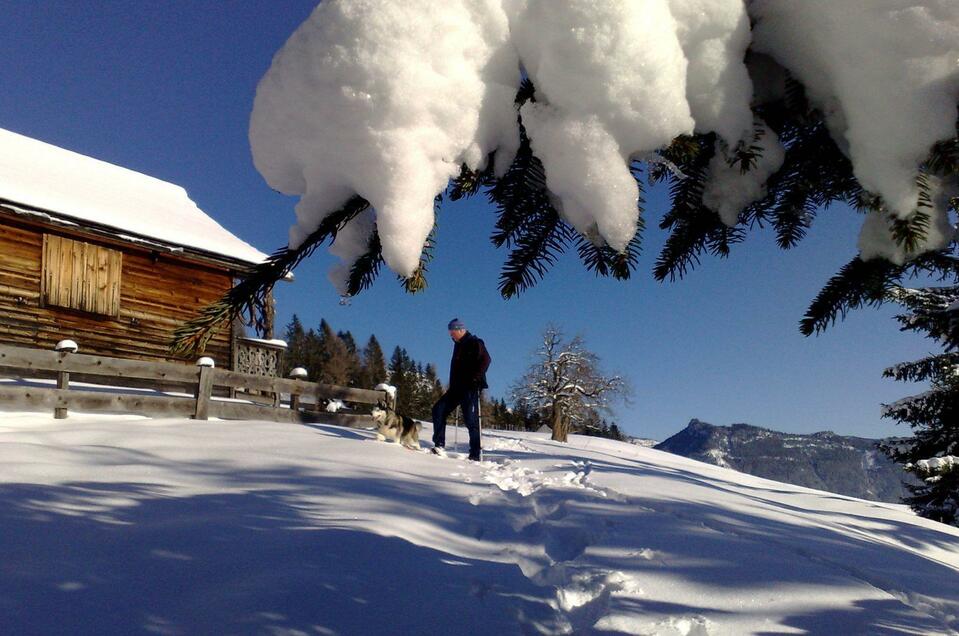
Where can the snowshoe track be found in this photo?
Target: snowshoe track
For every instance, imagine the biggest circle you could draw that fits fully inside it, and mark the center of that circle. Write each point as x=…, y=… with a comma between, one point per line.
x=546, y=515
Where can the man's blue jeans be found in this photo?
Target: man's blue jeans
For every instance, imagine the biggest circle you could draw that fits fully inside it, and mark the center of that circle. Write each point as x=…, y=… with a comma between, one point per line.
x=468, y=401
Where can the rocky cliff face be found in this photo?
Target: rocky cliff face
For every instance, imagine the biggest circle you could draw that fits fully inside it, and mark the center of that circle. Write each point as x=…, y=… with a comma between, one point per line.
x=851, y=466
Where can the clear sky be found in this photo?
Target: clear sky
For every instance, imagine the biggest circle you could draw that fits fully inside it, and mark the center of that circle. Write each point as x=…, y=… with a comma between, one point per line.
x=166, y=88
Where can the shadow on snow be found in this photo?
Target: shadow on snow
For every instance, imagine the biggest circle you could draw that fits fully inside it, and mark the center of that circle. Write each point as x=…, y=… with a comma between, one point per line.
x=291, y=551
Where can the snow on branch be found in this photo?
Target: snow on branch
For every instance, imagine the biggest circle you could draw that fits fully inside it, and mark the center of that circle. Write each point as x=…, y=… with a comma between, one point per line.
x=365, y=99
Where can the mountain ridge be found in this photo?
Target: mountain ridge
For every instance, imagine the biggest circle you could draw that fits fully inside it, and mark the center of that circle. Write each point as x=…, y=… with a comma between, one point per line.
x=843, y=464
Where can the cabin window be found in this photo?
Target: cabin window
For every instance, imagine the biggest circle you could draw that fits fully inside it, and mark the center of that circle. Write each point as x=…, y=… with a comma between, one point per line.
x=81, y=276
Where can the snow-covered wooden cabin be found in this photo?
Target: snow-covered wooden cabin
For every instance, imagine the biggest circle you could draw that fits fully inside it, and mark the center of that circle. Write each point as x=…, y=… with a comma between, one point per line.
x=106, y=256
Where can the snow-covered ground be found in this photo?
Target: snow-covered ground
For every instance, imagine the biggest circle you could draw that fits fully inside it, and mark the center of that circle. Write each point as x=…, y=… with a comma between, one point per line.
x=123, y=525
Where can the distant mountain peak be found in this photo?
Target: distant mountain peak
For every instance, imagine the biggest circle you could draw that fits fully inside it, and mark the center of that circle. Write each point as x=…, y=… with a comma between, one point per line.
x=824, y=460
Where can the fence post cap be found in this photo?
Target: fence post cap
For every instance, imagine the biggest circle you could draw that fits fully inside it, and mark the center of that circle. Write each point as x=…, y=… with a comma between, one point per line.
x=68, y=346
x=205, y=361
x=299, y=373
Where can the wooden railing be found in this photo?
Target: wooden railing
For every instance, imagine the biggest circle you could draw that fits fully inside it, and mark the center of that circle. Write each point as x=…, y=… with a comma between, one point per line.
x=199, y=392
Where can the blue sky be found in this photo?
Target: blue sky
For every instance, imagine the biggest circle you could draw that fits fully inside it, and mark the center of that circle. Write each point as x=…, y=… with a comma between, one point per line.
x=166, y=89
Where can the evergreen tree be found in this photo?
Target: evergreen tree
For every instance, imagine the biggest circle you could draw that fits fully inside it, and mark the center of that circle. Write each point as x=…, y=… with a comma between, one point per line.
x=606, y=430
x=348, y=340
x=523, y=417
x=590, y=424
x=493, y=417
x=418, y=402
x=313, y=358
x=615, y=433
x=424, y=385
x=354, y=372
x=595, y=426
x=373, y=367
x=374, y=362
x=402, y=375
x=434, y=384
x=295, y=337
x=511, y=419
x=334, y=358
x=932, y=454
x=417, y=386
x=515, y=417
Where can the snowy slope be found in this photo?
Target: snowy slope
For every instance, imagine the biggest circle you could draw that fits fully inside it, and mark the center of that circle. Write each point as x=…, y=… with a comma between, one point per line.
x=127, y=525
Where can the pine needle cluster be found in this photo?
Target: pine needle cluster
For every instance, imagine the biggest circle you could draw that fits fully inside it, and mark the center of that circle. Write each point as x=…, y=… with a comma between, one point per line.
x=251, y=295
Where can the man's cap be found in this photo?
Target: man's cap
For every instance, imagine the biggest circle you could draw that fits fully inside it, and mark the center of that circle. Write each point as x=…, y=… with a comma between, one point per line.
x=456, y=324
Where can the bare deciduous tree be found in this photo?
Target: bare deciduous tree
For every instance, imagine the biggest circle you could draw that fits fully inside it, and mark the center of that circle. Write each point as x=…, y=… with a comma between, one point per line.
x=565, y=384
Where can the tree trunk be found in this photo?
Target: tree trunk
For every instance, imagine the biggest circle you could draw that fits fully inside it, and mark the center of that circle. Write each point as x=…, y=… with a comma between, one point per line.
x=559, y=424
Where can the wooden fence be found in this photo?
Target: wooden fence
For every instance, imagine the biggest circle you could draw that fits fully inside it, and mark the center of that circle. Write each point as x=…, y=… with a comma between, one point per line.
x=199, y=392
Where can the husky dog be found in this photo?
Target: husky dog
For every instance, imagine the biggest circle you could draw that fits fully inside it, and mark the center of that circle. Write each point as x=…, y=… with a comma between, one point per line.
x=399, y=428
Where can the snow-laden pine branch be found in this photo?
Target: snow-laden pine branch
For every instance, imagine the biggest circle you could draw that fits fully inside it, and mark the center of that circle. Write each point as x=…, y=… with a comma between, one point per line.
x=389, y=99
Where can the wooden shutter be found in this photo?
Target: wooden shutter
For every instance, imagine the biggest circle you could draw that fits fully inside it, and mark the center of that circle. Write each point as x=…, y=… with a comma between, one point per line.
x=81, y=276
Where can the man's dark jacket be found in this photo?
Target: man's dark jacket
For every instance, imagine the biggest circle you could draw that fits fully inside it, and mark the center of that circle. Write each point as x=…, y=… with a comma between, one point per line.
x=469, y=364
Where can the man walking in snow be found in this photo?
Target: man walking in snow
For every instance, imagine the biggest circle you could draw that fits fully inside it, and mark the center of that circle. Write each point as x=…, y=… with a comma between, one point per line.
x=467, y=380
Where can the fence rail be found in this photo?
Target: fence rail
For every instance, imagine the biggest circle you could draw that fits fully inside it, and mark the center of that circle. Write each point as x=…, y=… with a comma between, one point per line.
x=275, y=399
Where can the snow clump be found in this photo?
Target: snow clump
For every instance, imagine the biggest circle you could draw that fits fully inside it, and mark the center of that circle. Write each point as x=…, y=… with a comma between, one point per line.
x=610, y=83
x=335, y=406
x=886, y=75
x=387, y=99
x=714, y=35
x=730, y=188
x=384, y=99
x=936, y=464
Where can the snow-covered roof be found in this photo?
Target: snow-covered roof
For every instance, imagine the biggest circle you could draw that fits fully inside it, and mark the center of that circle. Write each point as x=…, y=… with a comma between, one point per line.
x=60, y=182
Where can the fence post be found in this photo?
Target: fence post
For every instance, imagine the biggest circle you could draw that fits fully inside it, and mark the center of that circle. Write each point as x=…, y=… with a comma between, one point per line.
x=63, y=377
x=204, y=388
x=277, y=401
x=299, y=373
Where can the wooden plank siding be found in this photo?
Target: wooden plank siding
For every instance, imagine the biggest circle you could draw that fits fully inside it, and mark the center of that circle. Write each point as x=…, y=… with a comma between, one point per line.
x=80, y=275
x=157, y=292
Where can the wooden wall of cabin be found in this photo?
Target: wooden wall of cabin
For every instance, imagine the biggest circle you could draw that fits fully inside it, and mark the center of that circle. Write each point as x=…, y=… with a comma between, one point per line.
x=156, y=295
